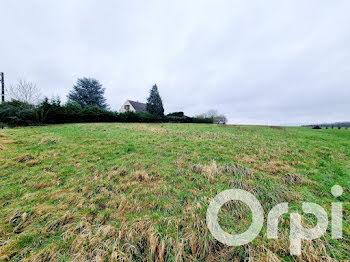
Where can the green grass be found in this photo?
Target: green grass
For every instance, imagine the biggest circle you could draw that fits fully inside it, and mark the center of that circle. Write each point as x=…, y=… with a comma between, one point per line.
x=122, y=192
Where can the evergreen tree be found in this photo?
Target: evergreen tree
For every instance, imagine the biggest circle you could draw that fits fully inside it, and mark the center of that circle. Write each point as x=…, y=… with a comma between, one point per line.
x=154, y=102
x=88, y=92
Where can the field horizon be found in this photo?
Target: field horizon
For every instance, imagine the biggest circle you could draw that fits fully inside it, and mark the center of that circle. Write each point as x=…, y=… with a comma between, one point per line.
x=140, y=192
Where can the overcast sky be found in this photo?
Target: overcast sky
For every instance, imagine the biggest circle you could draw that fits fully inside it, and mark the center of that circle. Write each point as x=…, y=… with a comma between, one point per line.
x=258, y=62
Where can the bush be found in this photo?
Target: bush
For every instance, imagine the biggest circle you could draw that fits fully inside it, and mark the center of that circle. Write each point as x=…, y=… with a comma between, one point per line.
x=175, y=119
x=144, y=117
x=16, y=113
x=178, y=114
x=96, y=114
x=202, y=120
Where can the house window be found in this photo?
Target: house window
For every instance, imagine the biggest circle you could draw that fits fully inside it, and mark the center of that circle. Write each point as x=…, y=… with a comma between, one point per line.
x=127, y=107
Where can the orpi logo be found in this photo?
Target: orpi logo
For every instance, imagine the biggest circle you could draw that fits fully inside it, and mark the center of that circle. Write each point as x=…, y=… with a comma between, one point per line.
x=297, y=231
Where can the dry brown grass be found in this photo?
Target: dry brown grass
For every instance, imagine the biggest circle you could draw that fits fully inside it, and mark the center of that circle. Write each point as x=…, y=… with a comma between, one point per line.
x=142, y=176
x=25, y=158
x=247, y=159
x=210, y=171
x=32, y=163
x=296, y=180
x=95, y=243
x=43, y=184
x=157, y=129
x=213, y=170
x=49, y=141
x=8, y=141
x=275, y=167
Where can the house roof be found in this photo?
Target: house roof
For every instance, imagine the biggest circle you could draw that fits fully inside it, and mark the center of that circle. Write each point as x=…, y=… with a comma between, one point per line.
x=138, y=106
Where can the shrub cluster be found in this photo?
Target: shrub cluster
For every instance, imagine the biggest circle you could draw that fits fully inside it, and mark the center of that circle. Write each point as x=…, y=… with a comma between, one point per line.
x=178, y=114
x=17, y=113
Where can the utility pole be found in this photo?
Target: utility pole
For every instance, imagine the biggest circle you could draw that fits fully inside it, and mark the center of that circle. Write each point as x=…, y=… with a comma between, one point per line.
x=2, y=87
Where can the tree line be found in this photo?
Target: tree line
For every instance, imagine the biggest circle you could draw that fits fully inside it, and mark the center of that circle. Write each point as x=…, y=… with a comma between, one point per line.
x=338, y=125
x=86, y=103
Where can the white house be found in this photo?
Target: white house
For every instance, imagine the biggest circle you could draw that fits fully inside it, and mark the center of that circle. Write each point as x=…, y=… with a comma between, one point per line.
x=132, y=106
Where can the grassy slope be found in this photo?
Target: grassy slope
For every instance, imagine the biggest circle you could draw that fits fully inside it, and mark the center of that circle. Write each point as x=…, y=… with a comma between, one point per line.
x=140, y=191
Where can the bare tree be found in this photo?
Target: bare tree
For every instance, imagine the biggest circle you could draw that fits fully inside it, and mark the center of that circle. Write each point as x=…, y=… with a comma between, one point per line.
x=218, y=118
x=25, y=91
x=209, y=114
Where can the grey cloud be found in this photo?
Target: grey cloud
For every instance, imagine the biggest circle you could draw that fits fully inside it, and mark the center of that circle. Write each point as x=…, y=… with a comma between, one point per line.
x=270, y=62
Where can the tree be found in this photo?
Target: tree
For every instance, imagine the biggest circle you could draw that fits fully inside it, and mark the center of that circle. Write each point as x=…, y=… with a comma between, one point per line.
x=50, y=111
x=88, y=92
x=25, y=91
x=217, y=118
x=220, y=119
x=154, y=102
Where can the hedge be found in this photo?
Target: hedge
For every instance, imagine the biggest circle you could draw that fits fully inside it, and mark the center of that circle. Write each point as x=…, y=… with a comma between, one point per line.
x=17, y=113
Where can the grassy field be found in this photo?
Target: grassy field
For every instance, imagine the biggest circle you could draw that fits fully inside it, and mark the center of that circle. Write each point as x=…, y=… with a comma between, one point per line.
x=126, y=192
